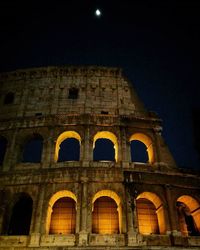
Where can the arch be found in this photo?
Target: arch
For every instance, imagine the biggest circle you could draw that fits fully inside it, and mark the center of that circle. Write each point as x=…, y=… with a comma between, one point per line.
x=107, y=135
x=138, y=152
x=63, y=217
x=150, y=201
x=3, y=146
x=20, y=220
x=148, y=143
x=65, y=135
x=111, y=194
x=69, y=150
x=32, y=149
x=104, y=150
x=188, y=209
x=58, y=195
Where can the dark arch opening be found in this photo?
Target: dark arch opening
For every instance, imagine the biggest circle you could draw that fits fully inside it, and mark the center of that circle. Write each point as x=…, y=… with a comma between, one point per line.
x=32, y=151
x=9, y=98
x=69, y=150
x=3, y=146
x=63, y=217
x=105, y=217
x=104, y=150
x=186, y=220
x=20, y=220
x=138, y=152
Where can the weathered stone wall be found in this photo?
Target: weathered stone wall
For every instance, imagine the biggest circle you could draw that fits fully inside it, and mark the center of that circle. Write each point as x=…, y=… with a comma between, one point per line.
x=45, y=91
x=106, y=101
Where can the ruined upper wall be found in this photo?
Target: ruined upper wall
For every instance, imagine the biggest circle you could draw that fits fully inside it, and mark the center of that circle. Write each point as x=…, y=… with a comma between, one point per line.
x=53, y=90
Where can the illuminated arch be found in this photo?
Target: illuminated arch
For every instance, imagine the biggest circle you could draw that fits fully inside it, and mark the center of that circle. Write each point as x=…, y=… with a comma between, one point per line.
x=191, y=208
x=148, y=143
x=65, y=135
x=115, y=197
x=110, y=136
x=53, y=199
x=159, y=209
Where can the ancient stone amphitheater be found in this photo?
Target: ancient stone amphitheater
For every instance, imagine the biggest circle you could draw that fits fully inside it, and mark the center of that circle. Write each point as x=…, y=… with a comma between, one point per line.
x=84, y=166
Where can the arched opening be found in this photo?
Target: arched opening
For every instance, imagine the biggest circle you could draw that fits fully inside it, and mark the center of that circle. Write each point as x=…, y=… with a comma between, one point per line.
x=20, y=220
x=106, y=213
x=32, y=150
x=63, y=217
x=68, y=147
x=188, y=215
x=145, y=153
x=150, y=214
x=147, y=217
x=105, y=218
x=138, y=151
x=108, y=146
x=3, y=146
x=61, y=213
x=9, y=98
x=69, y=150
x=104, y=150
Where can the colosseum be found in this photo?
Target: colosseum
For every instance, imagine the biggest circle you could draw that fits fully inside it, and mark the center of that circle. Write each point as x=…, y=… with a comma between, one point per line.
x=83, y=165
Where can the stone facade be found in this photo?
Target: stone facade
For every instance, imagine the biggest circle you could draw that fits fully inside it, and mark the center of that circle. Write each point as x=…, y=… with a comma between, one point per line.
x=87, y=104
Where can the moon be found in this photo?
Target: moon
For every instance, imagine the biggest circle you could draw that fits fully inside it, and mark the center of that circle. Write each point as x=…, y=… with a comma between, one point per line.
x=98, y=12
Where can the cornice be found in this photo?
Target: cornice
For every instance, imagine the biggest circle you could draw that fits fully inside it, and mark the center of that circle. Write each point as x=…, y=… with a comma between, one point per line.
x=61, y=71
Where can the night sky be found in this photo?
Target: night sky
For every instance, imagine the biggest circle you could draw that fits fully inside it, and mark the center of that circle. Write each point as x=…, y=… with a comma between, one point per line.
x=155, y=42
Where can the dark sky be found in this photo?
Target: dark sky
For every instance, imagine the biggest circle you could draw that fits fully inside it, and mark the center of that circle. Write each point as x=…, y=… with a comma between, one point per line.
x=155, y=42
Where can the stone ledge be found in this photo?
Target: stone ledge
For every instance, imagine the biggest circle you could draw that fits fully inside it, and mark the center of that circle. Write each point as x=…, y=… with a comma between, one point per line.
x=58, y=240
x=106, y=240
x=14, y=241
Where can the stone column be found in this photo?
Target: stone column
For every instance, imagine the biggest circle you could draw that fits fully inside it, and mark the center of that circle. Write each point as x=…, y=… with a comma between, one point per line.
x=119, y=142
x=44, y=157
x=83, y=235
x=7, y=159
x=88, y=147
x=130, y=209
x=49, y=148
x=37, y=223
x=78, y=214
x=132, y=229
x=157, y=134
x=173, y=219
x=14, y=152
x=125, y=148
x=82, y=147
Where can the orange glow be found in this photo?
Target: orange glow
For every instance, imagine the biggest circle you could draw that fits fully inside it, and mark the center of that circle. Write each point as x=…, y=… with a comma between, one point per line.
x=52, y=201
x=110, y=136
x=188, y=206
x=147, y=218
x=65, y=135
x=148, y=143
x=105, y=218
x=151, y=212
x=63, y=217
x=116, y=200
